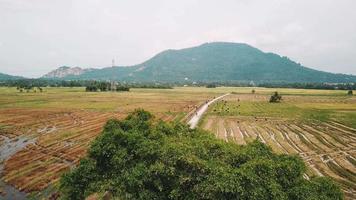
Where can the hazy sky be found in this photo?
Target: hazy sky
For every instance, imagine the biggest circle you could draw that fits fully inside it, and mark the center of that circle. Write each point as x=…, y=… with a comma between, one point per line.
x=37, y=36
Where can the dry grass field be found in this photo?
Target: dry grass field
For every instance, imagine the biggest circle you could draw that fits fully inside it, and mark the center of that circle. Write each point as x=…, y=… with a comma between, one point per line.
x=318, y=126
x=44, y=134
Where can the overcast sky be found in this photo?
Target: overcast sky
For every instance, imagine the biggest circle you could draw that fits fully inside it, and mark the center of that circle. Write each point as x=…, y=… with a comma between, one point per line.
x=37, y=36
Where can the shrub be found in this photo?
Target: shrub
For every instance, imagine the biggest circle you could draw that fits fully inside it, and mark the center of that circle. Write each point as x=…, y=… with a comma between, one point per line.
x=211, y=86
x=350, y=92
x=275, y=98
x=122, y=88
x=91, y=88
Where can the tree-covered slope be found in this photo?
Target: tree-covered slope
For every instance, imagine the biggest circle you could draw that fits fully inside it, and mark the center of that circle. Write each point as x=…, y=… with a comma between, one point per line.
x=139, y=158
x=8, y=77
x=220, y=62
x=108, y=73
x=230, y=62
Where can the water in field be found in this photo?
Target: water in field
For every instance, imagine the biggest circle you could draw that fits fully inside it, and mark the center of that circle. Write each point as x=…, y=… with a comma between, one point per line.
x=10, y=192
x=9, y=147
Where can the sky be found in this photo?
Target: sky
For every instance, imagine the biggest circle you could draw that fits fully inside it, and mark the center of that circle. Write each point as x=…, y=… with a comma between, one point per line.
x=37, y=36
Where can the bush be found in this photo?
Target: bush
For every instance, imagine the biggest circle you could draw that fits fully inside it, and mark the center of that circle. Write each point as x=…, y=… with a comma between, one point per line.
x=275, y=98
x=104, y=86
x=122, y=88
x=91, y=88
x=211, y=86
x=139, y=158
x=350, y=93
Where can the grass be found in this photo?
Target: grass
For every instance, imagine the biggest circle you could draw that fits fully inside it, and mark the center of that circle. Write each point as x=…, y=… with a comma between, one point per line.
x=303, y=108
x=266, y=109
x=346, y=117
x=76, y=98
x=108, y=101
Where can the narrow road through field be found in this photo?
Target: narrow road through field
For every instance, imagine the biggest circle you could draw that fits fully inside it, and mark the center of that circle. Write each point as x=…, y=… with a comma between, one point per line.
x=193, y=122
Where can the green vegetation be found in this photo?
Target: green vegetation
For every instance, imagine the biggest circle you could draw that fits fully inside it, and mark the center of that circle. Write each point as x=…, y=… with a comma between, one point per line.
x=292, y=111
x=91, y=84
x=216, y=62
x=139, y=158
x=25, y=83
x=322, y=86
x=275, y=98
x=211, y=86
x=105, y=86
x=8, y=77
x=29, y=88
x=350, y=92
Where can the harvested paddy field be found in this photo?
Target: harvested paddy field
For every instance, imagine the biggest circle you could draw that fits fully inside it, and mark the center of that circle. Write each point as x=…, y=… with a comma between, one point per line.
x=45, y=134
x=319, y=127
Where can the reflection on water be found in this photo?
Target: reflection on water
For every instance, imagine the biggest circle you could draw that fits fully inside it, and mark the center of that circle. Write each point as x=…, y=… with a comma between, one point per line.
x=9, y=147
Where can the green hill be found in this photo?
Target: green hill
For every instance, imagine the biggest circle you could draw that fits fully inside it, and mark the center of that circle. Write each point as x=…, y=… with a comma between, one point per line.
x=8, y=77
x=218, y=62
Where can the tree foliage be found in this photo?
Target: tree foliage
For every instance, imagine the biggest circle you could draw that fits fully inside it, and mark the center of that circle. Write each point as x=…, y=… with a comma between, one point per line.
x=105, y=86
x=211, y=85
x=275, y=98
x=139, y=158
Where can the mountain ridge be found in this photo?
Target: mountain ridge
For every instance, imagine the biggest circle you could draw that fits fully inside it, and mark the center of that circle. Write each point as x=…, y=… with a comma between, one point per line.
x=4, y=77
x=215, y=62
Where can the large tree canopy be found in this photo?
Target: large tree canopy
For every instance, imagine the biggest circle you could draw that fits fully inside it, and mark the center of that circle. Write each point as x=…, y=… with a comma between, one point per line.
x=139, y=158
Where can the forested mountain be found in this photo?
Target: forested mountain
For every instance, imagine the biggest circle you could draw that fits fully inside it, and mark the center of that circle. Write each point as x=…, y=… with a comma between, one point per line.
x=216, y=62
x=8, y=77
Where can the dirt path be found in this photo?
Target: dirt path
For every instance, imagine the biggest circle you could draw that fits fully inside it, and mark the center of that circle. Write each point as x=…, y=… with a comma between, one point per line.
x=193, y=122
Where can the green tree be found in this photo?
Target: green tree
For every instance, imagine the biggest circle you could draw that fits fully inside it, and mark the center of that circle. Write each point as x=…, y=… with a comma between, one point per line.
x=275, y=98
x=140, y=158
x=91, y=88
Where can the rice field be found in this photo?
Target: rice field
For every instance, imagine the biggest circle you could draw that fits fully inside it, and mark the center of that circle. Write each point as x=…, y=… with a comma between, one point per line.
x=51, y=131
x=43, y=135
x=321, y=129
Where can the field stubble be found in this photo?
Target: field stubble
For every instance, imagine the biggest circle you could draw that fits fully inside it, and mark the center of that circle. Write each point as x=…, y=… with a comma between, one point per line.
x=320, y=129
x=60, y=124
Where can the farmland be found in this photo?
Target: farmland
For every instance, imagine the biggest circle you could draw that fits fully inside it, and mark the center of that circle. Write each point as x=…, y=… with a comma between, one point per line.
x=52, y=130
x=57, y=125
x=319, y=127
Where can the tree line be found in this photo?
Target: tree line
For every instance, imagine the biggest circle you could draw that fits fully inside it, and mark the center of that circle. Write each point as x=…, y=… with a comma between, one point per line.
x=162, y=85
x=324, y=86
x=91, y=85
x=105, y=86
